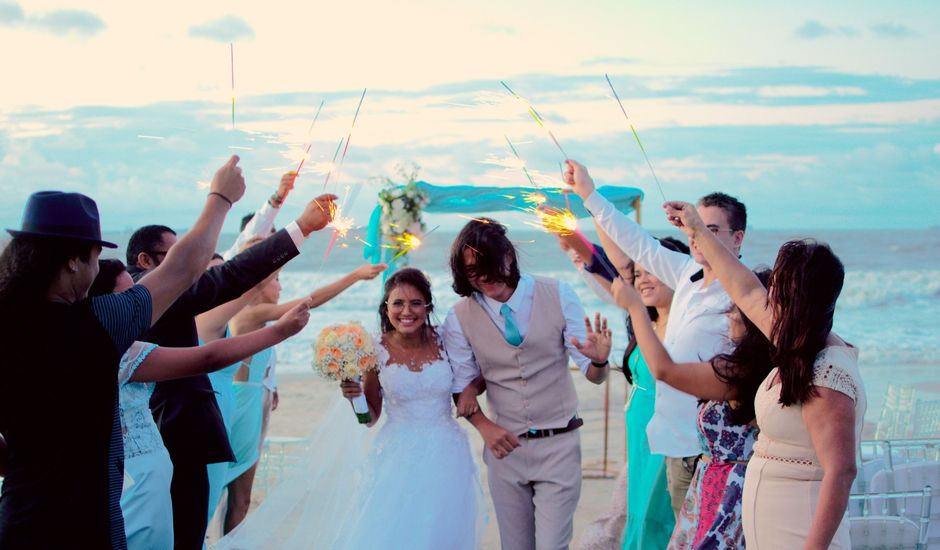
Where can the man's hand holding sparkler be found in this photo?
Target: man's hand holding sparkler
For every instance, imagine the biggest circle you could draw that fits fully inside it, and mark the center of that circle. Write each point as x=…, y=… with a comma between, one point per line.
x=283, y=189
x=317, y=214
x=576, y=175
x=684, y=216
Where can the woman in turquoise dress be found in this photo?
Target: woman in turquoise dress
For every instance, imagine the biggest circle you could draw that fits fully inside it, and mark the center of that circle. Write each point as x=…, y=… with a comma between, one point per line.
x=650, y=518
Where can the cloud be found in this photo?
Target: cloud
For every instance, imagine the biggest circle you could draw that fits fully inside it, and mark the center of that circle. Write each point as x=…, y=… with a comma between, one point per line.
x=11, y=14
x=228, y=28
x=892, y=30
x=936, y=148
x=59, y=22
x=812, y=30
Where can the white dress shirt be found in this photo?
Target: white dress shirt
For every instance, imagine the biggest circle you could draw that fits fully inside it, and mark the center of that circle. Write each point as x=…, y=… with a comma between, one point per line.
x=462, y=360
x=697, y=329
x=259, y=226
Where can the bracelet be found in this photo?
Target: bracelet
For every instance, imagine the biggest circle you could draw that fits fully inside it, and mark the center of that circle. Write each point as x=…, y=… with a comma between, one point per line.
x=221, y=196
x=600, y=365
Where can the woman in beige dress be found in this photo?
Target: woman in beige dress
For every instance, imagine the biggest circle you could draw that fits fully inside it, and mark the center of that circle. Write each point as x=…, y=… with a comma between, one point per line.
x=810, y=409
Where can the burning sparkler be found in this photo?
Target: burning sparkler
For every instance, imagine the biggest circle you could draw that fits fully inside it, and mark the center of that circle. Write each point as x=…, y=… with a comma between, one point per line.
x=535, y=115
x=636, y=136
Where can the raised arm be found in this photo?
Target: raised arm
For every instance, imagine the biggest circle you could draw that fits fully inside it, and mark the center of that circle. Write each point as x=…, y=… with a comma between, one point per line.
x=262, y=221
x=262, y=313
x=171, y=363
x=698, y=379
x=741, y=284
x=667, y=265
x=618, y=258
x=211, y=325
x=186, y=260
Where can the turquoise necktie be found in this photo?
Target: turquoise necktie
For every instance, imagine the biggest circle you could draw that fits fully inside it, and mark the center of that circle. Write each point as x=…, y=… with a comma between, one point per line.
x=512, y=331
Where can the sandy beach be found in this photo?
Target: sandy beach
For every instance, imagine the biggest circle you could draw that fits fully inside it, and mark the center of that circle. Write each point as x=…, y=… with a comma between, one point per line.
x=304, y=398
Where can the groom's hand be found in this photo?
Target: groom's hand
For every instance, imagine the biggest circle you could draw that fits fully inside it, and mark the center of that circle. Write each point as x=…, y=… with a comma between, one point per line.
x=499, y=441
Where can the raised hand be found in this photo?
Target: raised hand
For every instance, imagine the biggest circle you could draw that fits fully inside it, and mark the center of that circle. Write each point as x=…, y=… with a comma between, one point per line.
x=369, y=271
x=576, y=175
x=624, y=293
x=317, y=214
x=228, y=180
x=295, y=319
x=286, y=185
x=684, y=216
x=596, y=346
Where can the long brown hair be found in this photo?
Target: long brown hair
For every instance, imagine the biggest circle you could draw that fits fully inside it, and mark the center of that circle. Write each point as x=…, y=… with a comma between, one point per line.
x=806, y=282
x=493, y=252
x=747, y=365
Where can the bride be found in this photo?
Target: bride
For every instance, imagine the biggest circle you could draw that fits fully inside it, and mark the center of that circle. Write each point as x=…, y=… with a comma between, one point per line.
x=412, y=485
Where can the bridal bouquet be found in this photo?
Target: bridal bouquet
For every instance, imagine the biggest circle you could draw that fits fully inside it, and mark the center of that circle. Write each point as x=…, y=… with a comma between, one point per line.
x=346, y=352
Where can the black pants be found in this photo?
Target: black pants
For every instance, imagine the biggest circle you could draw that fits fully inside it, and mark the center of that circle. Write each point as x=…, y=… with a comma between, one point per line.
x=189, y=491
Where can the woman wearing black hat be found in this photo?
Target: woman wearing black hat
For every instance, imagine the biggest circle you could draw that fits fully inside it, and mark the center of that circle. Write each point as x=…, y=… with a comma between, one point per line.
x=58, y=389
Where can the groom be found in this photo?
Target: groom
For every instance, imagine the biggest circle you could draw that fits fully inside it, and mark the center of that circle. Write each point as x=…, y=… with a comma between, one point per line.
x=518, y=332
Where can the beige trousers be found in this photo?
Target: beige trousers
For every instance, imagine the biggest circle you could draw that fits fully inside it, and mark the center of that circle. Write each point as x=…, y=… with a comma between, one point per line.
x=679, y=472
x=535, y=491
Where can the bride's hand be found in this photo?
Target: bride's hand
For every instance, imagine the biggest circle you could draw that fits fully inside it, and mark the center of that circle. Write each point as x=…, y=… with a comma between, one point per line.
x=467, y=404
x=350, y=389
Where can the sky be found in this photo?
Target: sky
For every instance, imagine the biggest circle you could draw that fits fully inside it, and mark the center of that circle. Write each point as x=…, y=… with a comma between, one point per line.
x=816, y=115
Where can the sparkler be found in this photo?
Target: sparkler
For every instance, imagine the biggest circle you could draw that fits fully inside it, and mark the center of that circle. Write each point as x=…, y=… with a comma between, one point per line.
x=310, y=141
x=535, y=115
x=522, y=163
x=636, y=136
x=231, y=48
x=348, y=137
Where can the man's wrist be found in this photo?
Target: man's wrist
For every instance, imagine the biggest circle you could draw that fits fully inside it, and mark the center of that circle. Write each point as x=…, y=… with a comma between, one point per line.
x=603, y=365
x=275, y=200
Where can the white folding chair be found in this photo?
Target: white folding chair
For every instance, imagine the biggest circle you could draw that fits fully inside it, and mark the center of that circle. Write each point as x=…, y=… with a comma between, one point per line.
x=883, y=529
x=907, y=478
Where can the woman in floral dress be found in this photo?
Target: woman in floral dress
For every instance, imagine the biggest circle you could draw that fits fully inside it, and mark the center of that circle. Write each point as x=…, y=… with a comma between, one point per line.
x=711, y=514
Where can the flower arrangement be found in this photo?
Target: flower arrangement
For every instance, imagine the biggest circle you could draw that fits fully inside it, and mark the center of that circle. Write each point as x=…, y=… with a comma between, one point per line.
x=346, y=352
x=401, y=212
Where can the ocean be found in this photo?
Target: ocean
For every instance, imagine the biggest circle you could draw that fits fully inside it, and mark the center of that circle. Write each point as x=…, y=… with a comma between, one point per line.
x=889, y=308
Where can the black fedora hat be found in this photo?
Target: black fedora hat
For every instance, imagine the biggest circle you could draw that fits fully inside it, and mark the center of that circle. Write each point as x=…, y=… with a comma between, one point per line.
x=63, y=215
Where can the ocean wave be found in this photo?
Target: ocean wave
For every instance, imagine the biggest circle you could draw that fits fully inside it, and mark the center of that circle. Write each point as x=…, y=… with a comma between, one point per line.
x=880, y=289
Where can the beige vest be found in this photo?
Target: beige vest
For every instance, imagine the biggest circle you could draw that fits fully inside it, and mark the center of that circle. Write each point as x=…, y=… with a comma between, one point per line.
x=528, y=386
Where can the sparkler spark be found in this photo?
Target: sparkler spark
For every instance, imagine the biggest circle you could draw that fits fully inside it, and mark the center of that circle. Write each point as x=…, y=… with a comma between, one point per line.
x=145, y=136
x=556, y=221
x=407, y=242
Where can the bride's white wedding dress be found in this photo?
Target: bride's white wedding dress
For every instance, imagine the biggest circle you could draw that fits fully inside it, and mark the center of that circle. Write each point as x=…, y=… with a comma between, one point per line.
x=412, y=485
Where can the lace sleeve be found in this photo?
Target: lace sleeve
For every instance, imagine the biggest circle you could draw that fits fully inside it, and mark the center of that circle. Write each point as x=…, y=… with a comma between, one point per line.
x=381, y=354
x=132, y=359
x=829, y=372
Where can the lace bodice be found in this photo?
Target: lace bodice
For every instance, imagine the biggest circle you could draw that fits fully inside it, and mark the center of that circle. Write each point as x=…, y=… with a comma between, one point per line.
x=415, y=395
x=783, y=430
x=141, y=435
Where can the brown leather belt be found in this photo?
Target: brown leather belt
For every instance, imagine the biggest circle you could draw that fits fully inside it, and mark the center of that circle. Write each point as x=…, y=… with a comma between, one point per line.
x=573, y=424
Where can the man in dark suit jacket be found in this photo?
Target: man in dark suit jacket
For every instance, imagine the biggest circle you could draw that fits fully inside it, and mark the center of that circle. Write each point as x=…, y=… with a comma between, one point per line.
x=185, y=409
